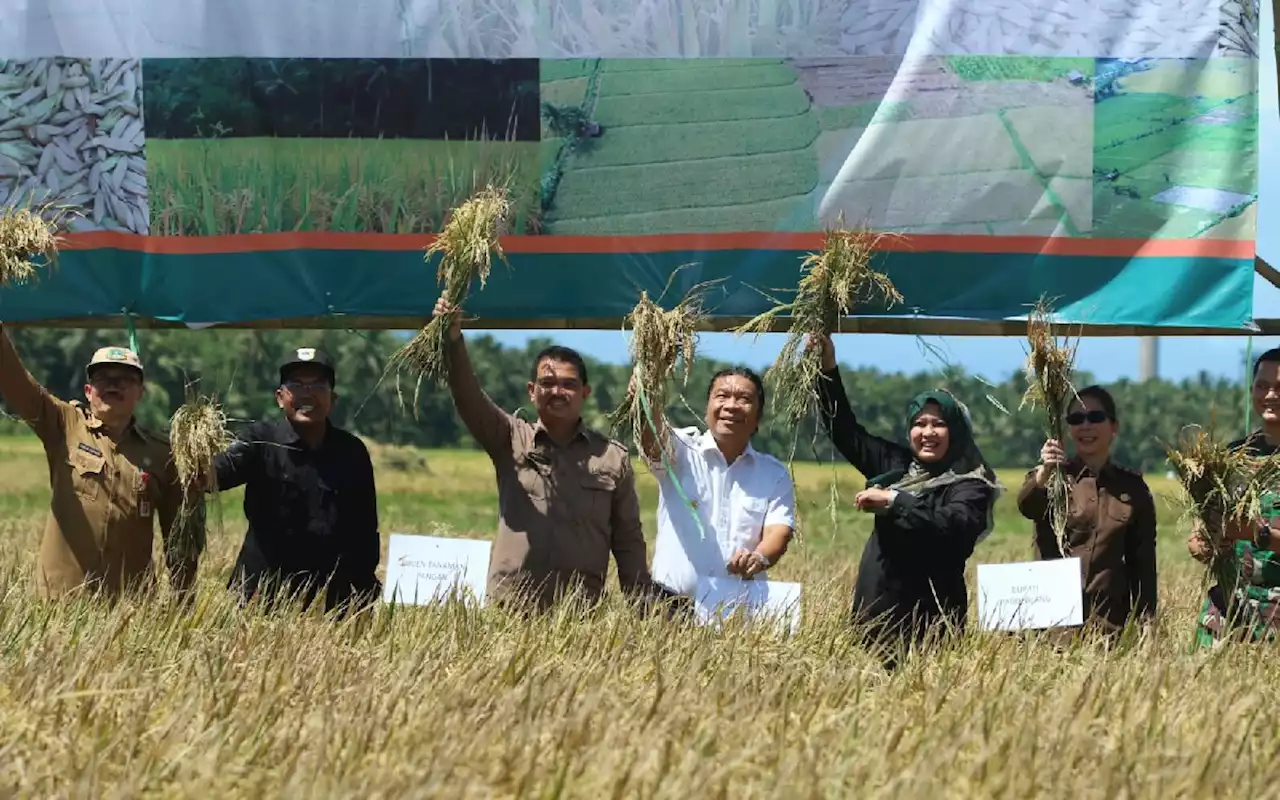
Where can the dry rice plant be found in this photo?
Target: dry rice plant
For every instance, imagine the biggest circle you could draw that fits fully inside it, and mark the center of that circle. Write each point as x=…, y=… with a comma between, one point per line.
x=28, y=239
x=197, y=433
x=659, y=339
x=1050, y=368
x=469, y=240
x=833, y=283
x=1222, y=486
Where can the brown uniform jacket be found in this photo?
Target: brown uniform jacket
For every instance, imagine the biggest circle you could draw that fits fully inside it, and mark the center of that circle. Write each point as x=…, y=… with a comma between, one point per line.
x=100, y=534
x=1111, y=528
x=561, y=509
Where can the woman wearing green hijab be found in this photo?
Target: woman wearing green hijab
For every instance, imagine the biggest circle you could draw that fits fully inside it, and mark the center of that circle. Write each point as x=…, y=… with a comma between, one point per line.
x=933, y=502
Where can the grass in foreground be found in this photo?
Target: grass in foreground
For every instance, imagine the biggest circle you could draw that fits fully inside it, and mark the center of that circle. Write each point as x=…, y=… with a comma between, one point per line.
x=142, y=699
x=215, y=187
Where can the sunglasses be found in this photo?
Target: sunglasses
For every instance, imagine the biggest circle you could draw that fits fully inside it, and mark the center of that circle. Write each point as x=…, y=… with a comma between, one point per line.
x=1080, y=417
x=298, y=387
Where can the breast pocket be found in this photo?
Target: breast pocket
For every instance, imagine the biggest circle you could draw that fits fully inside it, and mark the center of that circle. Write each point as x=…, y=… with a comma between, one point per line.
x=1119, y=512
x=748, y=521
x=87, y=474
x=596, y=491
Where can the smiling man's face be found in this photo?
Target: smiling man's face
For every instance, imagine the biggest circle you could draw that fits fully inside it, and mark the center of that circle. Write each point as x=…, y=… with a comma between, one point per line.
x=306, y=396
x=1266, y=393
x=113, y=392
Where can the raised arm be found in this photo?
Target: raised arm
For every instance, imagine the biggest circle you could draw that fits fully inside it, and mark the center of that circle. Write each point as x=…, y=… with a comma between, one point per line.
x=489, y=424
x=1140, y=556
x=626, y=534
x=24, y=395
x=870, y=455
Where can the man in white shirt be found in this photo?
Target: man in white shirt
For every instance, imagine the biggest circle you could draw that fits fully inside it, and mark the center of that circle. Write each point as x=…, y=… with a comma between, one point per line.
x=723, y=507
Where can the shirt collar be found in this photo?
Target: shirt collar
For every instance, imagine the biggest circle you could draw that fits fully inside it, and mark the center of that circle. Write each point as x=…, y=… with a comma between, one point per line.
x=707, y=444
x=286, y=434
x=1077, y=468
x=540, y=433
x=94, y=424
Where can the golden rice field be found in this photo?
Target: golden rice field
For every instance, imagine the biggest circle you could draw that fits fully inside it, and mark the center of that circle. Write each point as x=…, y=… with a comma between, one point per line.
x=215, y=187
x=147, y=700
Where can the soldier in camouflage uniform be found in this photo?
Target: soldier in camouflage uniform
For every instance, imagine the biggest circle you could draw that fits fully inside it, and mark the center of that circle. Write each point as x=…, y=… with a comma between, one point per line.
x=1244, y=605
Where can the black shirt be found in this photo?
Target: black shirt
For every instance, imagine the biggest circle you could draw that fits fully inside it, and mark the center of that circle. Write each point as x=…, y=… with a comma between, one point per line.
x=311, y=513
x=912, y=569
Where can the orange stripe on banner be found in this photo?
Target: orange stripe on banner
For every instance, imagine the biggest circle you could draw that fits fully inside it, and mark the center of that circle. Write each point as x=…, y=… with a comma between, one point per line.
x=677, y=242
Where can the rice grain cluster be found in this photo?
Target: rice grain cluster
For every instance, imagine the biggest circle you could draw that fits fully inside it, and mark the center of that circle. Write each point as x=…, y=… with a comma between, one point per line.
x=28, y=240
x=197, y=433
x=659, y=340
x=1223, y=486
x=470, y=239
x=833, y=283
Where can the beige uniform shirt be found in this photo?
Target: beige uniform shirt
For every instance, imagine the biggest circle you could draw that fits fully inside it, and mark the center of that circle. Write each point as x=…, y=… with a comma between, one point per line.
x=561, y=509
x=106, y=495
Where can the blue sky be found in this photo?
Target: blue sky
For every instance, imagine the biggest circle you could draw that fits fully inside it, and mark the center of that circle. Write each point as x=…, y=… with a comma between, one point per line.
x=994, y=357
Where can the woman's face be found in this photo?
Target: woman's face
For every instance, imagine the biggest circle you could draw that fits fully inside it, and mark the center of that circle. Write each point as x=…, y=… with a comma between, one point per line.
x=930, y=436
x=1090, y=428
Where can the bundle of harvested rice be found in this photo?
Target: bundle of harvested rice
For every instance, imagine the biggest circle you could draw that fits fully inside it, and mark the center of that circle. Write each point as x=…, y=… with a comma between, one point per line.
x=833, y=283
x=197, y=433
x=28, y=239
x=1050, y=372
x=1222, y=485
x=470, y=238
x=659, y=339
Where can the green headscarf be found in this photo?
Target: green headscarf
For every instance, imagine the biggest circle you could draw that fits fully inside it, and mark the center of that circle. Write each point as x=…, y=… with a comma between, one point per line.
x=963, y=460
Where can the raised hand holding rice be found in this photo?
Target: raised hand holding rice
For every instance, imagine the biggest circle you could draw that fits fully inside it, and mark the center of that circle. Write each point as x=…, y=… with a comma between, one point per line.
x=658, y=340
x=833, y=283
x=1050, y=375
x=470, y=239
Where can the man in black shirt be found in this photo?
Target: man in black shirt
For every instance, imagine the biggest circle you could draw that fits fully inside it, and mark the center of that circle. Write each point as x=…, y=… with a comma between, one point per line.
x=309, y=495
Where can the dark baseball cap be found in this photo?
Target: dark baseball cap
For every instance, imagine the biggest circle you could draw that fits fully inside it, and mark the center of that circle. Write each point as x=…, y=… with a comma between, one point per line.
x=308, y=356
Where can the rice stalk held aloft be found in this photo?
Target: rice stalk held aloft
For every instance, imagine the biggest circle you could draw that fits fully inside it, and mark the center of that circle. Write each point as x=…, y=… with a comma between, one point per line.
x=28, y=240
x=659, y=340
x=833, y=283
x=470, y=239
x=1050, y=372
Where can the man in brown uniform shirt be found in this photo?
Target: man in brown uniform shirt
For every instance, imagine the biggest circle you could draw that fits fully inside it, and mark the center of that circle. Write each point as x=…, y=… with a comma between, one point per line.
x=1111, y=525
x=110, y=480
x=566, y=494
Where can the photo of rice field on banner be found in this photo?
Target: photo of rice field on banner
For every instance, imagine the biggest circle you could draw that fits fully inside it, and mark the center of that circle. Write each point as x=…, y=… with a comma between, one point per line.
x=72, y=134
x=241, y=145
x=1176, y=149
x=963, y=145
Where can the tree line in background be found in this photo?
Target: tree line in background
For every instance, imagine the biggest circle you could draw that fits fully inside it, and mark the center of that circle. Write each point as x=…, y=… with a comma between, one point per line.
x=240, y=367
x=336, y=98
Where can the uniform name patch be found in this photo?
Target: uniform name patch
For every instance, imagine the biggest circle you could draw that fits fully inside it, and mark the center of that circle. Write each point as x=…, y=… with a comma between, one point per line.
x=93, y=451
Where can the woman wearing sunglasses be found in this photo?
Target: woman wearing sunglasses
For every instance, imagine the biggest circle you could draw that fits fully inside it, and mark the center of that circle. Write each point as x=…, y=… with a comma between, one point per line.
x=1111, y=522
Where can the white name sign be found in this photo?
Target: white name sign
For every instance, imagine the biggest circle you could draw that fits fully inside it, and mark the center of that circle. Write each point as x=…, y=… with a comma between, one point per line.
x=425, y=569
x=1033, y=594
x=720, y=598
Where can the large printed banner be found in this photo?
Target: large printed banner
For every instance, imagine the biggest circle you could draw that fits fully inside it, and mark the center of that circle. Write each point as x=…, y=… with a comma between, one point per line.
x=242, y=162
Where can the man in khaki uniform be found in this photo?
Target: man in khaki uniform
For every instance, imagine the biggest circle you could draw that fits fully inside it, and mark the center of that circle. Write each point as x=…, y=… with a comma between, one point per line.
x=566, y=494
x=110, y=479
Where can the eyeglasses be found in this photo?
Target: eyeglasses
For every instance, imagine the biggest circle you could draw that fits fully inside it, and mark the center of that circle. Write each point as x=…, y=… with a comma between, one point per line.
x=298, y=387
x=106, y=381
x=1079, y=417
